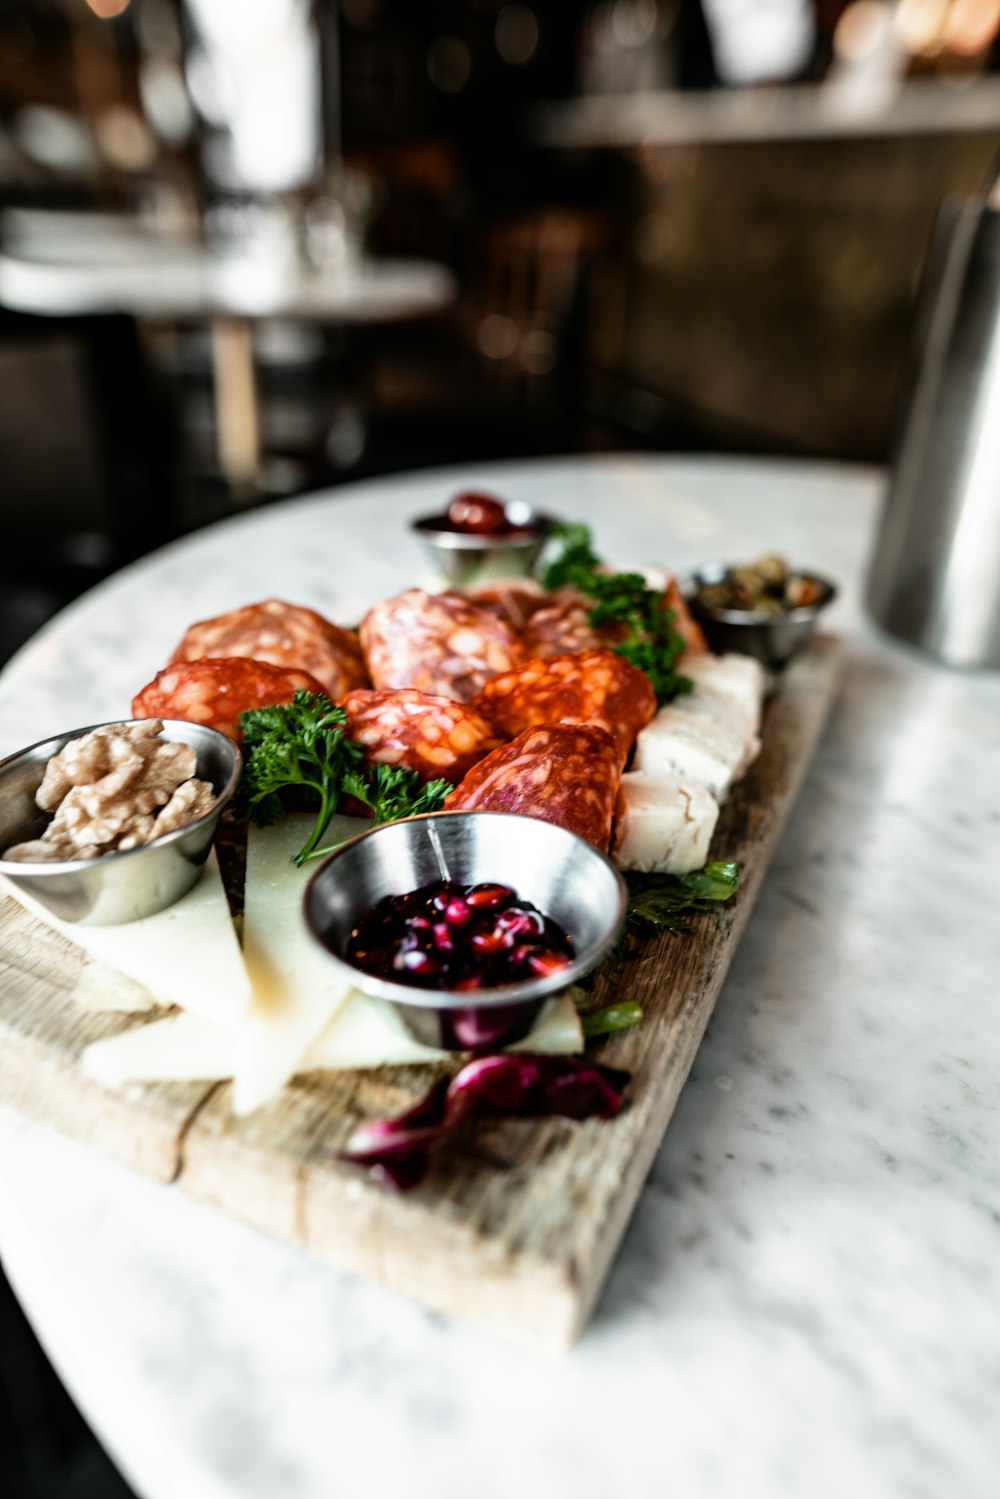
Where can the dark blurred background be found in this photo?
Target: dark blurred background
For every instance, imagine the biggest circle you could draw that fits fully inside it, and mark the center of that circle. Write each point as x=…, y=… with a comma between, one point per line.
x=250, y=248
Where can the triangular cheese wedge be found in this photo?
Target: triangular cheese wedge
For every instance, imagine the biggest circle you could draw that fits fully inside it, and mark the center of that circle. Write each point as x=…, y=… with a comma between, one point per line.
x=102, y=988
x=186, y=955
x=366, y=1032
x=296, y=988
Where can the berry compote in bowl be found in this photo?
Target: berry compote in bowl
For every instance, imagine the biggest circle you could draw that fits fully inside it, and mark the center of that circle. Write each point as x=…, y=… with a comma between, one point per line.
x=467, y=922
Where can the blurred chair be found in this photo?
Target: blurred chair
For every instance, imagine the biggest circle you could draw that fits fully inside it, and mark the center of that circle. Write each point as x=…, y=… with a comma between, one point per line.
x=89, y=461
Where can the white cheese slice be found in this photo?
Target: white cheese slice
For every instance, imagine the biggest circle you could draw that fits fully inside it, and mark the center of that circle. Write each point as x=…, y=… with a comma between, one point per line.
x=181, y=1048
x=296, y=988
x=700, y=737
x=366, y=1032
x=739, y=679
x=102, y=988
x=186, y=955
x=664, y=824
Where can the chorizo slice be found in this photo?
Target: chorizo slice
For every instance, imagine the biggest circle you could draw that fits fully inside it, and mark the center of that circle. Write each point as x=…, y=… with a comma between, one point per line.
x=217, y=689
x=595, y=687
x=563, y=627
x=562, y=773
x=286, y=635
x=435, y=736
x=442, y=644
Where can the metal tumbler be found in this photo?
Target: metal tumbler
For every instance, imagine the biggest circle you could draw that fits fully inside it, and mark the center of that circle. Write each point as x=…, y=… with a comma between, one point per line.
x=935, y=575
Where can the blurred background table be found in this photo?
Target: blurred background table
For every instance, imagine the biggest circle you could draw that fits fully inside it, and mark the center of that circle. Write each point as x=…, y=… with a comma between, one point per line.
x=808, y=1299
x=85, y=264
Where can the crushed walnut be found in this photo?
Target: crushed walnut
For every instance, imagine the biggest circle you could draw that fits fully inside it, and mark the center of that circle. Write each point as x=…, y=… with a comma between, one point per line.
x=114, y=789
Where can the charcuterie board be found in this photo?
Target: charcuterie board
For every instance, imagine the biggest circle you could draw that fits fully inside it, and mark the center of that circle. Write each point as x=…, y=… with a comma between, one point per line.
x=515, y=1229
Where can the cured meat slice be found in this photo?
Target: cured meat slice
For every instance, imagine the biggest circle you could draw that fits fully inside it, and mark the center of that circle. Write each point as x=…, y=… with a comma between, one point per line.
x=435, y=736
x=217, y=689
x=284, y=635
x=514, y=600
x=562, y=773
x=442, y=644
x=685, y=624
x=595, y=687
x=562, y=627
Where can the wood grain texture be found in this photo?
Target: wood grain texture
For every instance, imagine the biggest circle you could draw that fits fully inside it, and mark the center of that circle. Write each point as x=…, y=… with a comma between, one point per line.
x=516, y=1226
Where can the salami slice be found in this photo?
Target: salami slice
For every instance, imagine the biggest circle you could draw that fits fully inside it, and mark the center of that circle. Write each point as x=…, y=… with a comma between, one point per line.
x=442, y=644
x=217, y=689
x=562, y=627
x=286, y=635
x=595, y=687
x=562, y=773
x=434, y=736
x=513, y=601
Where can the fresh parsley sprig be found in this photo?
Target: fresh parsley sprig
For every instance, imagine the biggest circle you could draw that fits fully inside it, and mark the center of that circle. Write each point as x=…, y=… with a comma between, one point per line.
x=649, y=640
x=301, y=748
x=392, y=791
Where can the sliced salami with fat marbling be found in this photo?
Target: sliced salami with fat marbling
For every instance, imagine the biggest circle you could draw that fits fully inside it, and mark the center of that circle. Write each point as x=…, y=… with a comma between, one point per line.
x=562, y=773
x=217, y=689
x=286, y=635
x=442, y=644
x=435, y=736
x=594, y=687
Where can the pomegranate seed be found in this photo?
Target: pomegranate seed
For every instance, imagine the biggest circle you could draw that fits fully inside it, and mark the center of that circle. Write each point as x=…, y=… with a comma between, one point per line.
x=491, y=942
x=545, y=962
x=444, y=937
x=487, y=897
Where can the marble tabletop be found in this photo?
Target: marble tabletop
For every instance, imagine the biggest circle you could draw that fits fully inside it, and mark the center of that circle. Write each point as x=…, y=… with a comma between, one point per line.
x=807, y=1302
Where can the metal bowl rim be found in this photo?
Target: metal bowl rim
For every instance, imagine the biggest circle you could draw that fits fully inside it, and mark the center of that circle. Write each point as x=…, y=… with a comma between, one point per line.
x=534, y=533
x=475, y=999
x=799, y=616
x=52, y=867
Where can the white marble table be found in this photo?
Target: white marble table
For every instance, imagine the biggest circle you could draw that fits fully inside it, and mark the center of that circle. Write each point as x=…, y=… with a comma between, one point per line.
x=807, y=1303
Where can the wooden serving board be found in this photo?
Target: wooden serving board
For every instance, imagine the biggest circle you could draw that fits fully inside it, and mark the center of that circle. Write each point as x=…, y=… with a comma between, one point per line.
x=516, y=1228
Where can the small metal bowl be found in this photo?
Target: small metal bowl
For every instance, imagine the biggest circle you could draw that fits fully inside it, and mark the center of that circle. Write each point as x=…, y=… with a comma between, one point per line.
x=114, y=888
x=465, y=557
x=773, y=638
x=564, y=876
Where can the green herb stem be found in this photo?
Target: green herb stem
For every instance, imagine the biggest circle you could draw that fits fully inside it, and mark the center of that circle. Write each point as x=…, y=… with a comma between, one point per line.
x=610, y=1019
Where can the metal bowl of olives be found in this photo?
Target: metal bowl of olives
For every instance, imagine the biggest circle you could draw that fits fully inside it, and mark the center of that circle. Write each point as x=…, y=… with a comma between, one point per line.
x=764, y=609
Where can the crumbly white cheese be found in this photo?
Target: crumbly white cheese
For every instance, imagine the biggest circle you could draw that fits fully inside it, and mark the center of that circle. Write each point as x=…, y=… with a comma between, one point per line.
x=664, y=824
x=700, y=737
x=737, y=678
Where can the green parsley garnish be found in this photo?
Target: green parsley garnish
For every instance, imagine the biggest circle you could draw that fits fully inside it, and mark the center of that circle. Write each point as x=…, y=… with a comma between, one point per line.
x=300, y=749
x=669, y=900
x=651, y=643
x=393, y=792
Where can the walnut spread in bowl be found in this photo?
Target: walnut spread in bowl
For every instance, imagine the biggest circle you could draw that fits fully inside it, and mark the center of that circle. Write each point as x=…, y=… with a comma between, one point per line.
x=114, y=789
x=113, y=822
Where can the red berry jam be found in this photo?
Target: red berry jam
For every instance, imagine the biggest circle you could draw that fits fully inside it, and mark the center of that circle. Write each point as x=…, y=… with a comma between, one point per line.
x=464, y=937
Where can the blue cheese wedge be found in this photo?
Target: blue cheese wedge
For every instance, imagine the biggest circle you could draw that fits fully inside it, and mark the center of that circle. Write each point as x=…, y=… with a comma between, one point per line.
x=664, y=824
x=737, y=678
x=699, y=737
